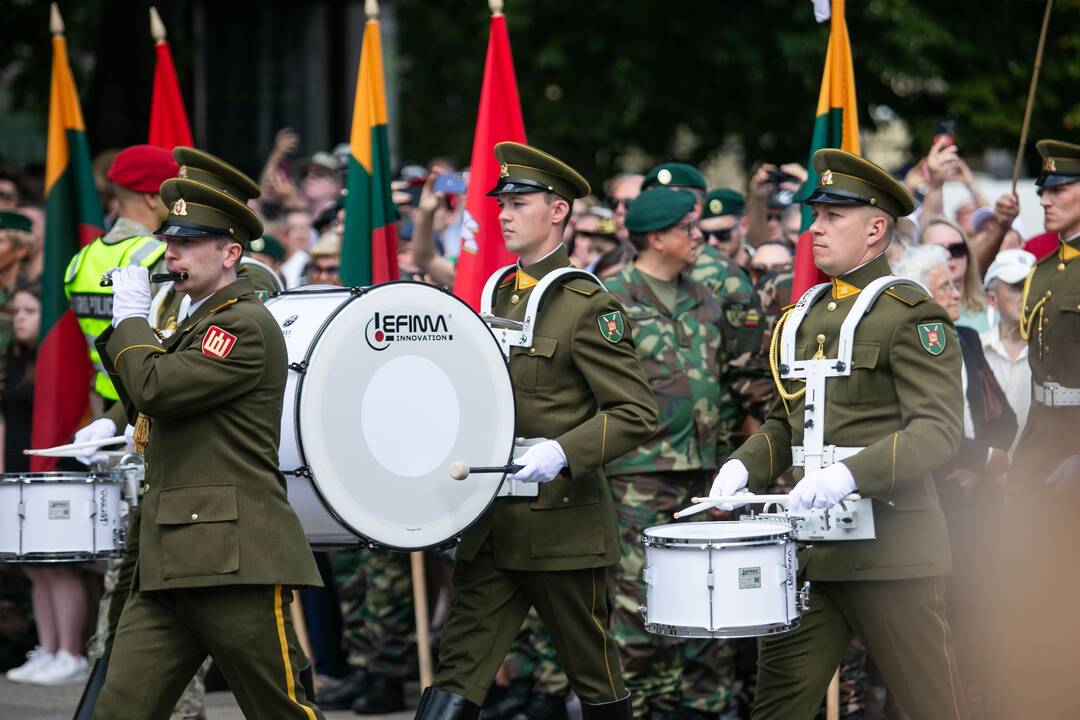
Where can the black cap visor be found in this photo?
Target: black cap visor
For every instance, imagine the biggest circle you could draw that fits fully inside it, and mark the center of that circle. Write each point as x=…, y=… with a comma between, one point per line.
x=518, y=185
x=836, y=197
x=1055, y=179
x=177, y=228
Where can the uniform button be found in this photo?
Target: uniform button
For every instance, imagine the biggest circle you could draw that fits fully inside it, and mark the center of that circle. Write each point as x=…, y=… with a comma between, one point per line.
x=514, y=299
x=146, y=487
x=831, y=306
x=1061, y=266
x=820, y=339
x=194, y=516
x=1048, y=293
x=565, y=500
x=532, y=351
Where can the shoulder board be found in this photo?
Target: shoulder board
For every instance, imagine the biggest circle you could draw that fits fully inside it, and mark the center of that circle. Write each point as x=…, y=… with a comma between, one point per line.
x=224, y=305
x=506, y=281
x=582, y=286
x=907, y=294
x=1050, y=257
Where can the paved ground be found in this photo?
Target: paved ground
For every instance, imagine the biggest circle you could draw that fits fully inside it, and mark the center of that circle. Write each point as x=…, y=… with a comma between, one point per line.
x=26, y=702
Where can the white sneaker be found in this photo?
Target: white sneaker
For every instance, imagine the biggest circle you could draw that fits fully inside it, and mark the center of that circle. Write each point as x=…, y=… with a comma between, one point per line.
x=65, y=669
x=35, y=659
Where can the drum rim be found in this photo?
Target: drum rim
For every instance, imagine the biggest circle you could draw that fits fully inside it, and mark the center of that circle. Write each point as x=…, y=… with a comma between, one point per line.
x=703, y=542
x=69, y=477
x=744, y=631
x=355, y=294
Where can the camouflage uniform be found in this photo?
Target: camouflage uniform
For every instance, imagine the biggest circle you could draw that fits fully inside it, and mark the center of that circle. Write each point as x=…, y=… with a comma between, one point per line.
x=377, y=607
x=684, y=354
x=533, y=656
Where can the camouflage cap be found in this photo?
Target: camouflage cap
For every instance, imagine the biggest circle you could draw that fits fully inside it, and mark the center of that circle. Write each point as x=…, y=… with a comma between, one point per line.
x=267, y=245
x=723, y=201
x=847, y=179
x=1060, y=163
x=658, y=209
x=199, y=210
x=674, y=174
x=12, y=220
x=198, y=165
x=525, y=169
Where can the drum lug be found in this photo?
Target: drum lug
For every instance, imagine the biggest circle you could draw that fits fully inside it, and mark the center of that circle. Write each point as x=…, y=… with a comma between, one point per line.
x=802, y=598
x=303, y=471
x=22, y=509
x=300, y=367
x=644, y=610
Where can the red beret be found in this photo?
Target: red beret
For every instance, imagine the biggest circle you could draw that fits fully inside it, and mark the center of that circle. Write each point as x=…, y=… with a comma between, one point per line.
x=143, y=168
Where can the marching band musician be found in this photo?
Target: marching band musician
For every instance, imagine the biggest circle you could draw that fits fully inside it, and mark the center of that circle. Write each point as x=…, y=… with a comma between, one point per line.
x=893, y=417
x=219, y=545
x=581, y=387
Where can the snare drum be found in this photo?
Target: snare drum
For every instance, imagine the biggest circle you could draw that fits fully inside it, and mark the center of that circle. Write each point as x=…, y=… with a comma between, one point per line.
x=721, y=579
x=60, y=517
x=387, y=387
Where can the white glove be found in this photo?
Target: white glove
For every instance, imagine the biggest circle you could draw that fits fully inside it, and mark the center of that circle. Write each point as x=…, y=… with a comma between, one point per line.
x=129, y=436
x=97, y=430
x=732, y=478
x=823, y=488
x=131, y=293
x=541, y=462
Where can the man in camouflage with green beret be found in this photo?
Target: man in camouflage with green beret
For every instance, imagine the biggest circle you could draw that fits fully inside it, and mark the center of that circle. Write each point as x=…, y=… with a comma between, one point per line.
x=871, y=409
x=723, y=224
x=682, y=340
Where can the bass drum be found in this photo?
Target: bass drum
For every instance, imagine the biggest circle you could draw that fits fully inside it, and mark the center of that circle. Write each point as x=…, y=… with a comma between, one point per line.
x=387, y=387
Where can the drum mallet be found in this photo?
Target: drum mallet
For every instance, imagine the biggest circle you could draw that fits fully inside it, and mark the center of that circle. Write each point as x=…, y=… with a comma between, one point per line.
x=460, y=470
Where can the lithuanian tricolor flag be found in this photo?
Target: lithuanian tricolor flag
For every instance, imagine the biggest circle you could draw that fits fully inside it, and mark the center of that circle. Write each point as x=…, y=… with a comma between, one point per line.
x=369, y=246
x=836, y=125
x=72, y=218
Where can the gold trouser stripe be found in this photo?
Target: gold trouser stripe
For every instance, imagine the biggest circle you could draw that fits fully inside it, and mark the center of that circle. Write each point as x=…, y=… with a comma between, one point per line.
x=939, y=614
x=132, y=347
x=603, y=637
x=893, y=483
x=603, y=438
x=290, y=686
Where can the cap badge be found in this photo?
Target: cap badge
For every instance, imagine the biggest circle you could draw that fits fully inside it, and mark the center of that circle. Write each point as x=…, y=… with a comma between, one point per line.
x=258, y=245
x=715, y=206
x=826, y=178
x=179, y=207
x=1050, y=165
x=664, y=176
x=182, y=172
x=504, y=170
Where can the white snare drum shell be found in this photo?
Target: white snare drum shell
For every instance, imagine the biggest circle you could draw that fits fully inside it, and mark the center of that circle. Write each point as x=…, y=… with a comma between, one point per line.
x=10, y=523
x=68, y=517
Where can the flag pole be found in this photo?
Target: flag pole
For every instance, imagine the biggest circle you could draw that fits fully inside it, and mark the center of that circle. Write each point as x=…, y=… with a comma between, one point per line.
x=1031, y=95
x=157, y=28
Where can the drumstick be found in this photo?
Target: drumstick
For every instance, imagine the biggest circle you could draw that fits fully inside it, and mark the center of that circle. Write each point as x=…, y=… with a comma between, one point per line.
x=155, y=278
x=705, y=503
x=78, y=446
x=459, y=470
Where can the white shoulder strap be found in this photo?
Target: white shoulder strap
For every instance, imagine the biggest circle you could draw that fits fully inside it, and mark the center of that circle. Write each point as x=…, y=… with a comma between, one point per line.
x=523, y=336
x=867, y=297
x=791, y=325
x=487, y=296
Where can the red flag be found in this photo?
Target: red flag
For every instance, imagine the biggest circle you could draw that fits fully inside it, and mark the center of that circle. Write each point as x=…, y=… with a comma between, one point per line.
x=168, y=119
x=499, y=119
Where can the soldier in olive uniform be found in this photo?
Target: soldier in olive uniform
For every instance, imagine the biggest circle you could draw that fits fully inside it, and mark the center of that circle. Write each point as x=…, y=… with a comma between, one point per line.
x=682, y=340
x=219, y=545
x=893, y=419
x=1039, y=633
x=579, y=386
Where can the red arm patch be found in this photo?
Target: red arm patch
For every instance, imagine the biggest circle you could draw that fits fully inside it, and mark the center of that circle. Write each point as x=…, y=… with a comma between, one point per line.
x=217, y=343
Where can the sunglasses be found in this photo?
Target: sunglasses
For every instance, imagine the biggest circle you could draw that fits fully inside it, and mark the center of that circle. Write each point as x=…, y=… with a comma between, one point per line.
x=957, y=250
x=717, y=235
x=324, y=269
x=613, y=203
x=5, y=195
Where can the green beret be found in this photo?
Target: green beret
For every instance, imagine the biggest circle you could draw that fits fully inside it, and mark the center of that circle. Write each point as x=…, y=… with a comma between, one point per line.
x=674, y=175
x=846, y=179
x=658, y=209
x=524, y=169
x=1060, y=163
x=199, y=210
x=11, y=220
x=723, y=201
x=215, y=172
x=268, y=245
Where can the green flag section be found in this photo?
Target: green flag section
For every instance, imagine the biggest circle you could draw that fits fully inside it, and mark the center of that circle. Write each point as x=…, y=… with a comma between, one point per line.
x=369, y=245
x=72, y=218
x=836, y=125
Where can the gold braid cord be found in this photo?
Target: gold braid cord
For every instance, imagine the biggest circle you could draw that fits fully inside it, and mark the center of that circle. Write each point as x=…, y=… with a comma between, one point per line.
x=774, y=364
x=1027, y=318
x=142, y=434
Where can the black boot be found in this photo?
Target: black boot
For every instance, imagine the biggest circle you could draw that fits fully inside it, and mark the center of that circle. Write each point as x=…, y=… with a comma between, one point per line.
x=436, y=704
x=342, y=696
x=503, y=703
x=543, y=706
x=383, y=695
x=616, y=710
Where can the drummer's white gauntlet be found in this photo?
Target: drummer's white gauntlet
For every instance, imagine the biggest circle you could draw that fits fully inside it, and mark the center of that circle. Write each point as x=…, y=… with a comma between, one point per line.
x=541, y=463
x=732, y=478
x=822, y=489
x=97, y=430
x=131, y=293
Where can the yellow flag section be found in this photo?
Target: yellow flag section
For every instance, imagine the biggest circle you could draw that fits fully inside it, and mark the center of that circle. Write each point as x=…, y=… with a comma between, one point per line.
x=369, y=246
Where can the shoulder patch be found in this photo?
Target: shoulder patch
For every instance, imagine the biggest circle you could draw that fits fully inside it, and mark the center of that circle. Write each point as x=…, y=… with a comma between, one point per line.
x=932, y=337
x=611, y=326
x=217, y=343
x=907, y=294
x=582, y=286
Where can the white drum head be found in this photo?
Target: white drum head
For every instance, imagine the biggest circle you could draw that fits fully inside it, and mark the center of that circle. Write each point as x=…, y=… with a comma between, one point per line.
x=405, y=380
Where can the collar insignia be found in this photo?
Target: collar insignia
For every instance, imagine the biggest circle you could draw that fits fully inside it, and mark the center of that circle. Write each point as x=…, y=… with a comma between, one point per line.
x=826, y=178
x=179, y=207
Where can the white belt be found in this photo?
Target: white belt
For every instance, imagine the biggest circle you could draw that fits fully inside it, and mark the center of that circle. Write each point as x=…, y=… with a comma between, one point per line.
x=830, y=454
x=1055, y=395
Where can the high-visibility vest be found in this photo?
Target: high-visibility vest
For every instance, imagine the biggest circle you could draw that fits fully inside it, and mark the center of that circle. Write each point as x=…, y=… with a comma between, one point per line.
x=91, y=303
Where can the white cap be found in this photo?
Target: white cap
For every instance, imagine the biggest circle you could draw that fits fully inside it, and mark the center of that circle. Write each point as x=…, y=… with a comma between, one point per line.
x=1010, y=266
x=983, y=214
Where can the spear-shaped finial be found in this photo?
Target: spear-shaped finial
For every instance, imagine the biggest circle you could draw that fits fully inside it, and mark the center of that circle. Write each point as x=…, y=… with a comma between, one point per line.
x=157, y=28
x=371, y=9
x=496, y=6
x=56, y=23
